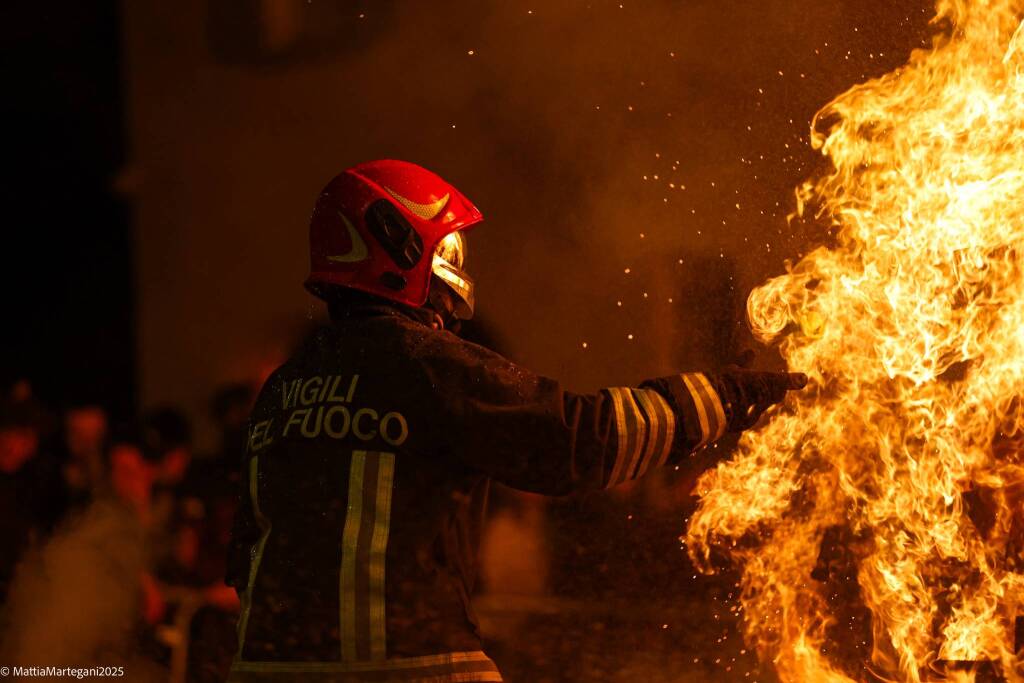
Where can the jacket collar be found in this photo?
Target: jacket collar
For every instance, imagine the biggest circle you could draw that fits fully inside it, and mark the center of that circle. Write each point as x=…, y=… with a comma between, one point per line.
x=384, y=308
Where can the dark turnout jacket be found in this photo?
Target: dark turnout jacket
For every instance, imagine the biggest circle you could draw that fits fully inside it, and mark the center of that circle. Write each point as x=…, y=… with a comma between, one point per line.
x=369, y=455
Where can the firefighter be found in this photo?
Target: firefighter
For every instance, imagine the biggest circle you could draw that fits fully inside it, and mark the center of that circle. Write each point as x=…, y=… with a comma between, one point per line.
x=370, y=451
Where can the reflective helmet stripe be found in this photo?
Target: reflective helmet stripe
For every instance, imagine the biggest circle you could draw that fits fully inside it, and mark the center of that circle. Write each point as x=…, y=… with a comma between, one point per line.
x=425, y=211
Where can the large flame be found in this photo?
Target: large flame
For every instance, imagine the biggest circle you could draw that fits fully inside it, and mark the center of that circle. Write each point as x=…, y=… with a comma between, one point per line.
x=878, y=517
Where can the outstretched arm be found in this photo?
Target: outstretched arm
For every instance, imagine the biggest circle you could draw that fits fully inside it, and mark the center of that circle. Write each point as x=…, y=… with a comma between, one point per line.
x=527, y=432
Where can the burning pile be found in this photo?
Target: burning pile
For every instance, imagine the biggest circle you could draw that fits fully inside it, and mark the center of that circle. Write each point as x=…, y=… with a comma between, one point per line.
x=879, y=517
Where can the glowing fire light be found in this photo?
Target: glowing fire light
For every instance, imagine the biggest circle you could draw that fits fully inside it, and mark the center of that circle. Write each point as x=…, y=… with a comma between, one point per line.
x=867, y=491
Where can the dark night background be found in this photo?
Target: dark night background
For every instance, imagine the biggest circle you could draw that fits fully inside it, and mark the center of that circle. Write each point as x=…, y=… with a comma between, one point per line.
x=635, y=163
x=68, y=269
x=165, y=159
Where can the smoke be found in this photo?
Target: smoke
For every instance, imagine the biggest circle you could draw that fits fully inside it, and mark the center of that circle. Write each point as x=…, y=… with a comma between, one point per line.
x=605, y=137
x=576, y=127
x=74, y=601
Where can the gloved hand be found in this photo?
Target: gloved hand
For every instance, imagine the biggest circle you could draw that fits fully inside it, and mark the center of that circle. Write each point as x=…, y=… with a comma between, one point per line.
x=745, y=394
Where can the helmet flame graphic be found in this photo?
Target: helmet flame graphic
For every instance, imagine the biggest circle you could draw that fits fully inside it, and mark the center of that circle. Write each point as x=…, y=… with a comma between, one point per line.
x=885, y=504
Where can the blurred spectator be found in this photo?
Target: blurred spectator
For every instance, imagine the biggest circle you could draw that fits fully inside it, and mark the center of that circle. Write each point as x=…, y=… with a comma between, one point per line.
x=167, y=442
x=166, y=448
x=146, y=463
x=85, y=446
x=132, y=477
x=84, y=457
x=131, y=480
x=230, y=411
x=137, y=489
x=208, y=506
x=209, y=490
x=187, y=505
x=81, y=597
x=28, y=480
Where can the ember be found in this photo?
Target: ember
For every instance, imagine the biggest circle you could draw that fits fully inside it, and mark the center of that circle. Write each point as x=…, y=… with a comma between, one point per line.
x=878, y=517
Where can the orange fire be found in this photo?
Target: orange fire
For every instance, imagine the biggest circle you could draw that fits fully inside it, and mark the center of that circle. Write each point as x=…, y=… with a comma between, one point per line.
x=880, y=512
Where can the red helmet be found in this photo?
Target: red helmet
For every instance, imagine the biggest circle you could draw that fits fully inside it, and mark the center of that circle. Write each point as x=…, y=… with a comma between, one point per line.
x=383, y=227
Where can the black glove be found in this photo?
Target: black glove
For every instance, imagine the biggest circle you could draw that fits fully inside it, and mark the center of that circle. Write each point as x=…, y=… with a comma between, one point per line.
x=745, y=394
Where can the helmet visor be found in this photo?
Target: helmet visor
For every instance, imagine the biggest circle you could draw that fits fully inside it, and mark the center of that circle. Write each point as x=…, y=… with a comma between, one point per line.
x=449, y=259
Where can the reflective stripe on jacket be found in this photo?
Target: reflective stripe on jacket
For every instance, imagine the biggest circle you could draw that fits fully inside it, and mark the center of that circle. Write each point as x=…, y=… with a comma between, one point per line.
x=454, y=667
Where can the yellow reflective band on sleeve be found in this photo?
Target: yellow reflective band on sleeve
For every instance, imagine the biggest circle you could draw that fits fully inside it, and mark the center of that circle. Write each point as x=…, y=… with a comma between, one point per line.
x=661, y=430
x=363, y=552
x=631, y=434
x=710, y=412
x=653, y=433
x=702, y=414
x=257, y=552
x=620, y=429
x=716, y=405
x=670, y=427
